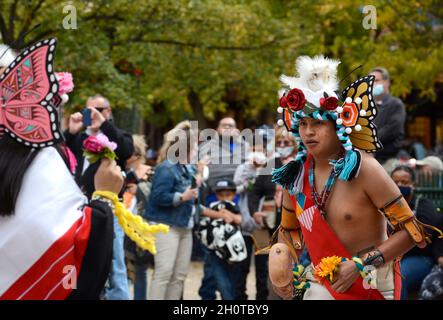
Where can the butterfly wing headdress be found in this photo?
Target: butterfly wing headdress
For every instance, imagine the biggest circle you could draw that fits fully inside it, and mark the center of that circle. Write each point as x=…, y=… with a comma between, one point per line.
x=29, y=97
x=358, y=111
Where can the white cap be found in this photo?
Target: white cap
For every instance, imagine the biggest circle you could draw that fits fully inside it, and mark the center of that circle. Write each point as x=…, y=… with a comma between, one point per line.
x=433, y=162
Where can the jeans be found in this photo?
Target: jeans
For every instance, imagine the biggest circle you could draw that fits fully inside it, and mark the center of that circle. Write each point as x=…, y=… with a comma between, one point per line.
x=414, y=269
x=241, y=270
x=222, y=272
x=217, y=276
x=261, y=276
x=209, y=285
x=140, y=283
x=117, y=288
x=172, y=263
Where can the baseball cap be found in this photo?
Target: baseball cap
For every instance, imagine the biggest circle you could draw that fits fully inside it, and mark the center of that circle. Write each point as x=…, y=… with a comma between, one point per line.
x=225, y=184
x=432, y=161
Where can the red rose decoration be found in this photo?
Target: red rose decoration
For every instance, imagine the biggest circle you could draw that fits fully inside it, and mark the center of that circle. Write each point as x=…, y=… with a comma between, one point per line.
x=93, y=145
x=330, y=103
x=283, y=102
x=295, y=99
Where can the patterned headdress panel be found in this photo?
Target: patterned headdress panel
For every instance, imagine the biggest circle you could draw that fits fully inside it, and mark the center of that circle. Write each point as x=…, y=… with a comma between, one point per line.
x=29, y=97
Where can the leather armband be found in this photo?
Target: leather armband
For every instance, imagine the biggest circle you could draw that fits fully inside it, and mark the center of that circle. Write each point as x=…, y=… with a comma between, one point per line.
x=401, y=216
x=289, y=219
x=374, y=258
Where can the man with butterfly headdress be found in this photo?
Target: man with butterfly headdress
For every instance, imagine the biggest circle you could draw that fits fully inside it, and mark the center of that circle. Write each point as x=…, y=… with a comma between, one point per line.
x=335, y=192
x=53, y=243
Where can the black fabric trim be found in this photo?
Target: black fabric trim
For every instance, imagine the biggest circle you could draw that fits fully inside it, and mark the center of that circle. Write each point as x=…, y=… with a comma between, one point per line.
x=96, y=262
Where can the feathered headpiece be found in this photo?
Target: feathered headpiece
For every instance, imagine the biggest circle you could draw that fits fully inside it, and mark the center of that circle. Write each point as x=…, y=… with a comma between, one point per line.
x=6, y=56
x=313, y=94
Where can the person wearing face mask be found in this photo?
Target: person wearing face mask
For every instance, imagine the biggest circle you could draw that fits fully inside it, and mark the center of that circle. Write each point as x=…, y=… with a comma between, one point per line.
x=417, y=263
x=245, y=177
x=263, y=192
x=391, y=116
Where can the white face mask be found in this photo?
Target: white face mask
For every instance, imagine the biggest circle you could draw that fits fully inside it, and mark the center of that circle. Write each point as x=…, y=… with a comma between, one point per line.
x=285, y=151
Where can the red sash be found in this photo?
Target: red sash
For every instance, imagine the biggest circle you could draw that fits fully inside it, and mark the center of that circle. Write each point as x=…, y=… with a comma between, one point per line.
x=321, y=241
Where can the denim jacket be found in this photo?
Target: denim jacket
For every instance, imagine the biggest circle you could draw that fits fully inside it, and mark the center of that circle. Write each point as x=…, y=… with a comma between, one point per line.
x=164, y=205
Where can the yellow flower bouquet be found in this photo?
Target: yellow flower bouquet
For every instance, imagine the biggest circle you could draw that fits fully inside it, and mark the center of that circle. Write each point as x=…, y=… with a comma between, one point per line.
x=327, y=268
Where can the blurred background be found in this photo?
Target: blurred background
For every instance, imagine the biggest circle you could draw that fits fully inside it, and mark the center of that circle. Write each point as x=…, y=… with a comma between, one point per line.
x=161, y=61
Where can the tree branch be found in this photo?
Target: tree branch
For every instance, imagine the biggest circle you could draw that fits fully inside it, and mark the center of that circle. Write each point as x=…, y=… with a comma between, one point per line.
x=104, y=17
x=37, y=7
x=38, y=37
x=12, y=14
x=139, y=37
x=27, y=24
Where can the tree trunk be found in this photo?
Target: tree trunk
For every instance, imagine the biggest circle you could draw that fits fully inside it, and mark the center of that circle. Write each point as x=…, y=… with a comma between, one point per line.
x=197, y=109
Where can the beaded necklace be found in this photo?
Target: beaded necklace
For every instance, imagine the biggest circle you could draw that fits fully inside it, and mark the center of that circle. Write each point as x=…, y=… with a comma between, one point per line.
x=320, y=200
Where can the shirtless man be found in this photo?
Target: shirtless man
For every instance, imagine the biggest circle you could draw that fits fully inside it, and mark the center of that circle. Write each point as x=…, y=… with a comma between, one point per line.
x=352, y=208
x=344, y=220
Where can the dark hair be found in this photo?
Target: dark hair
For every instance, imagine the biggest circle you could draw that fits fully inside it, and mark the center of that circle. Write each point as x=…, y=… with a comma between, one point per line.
x=406, y=169
x=15, y=159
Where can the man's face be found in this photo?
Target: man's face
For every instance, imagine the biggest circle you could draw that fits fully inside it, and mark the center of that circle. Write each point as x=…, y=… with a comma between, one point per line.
x=379, y=80
x=319, y=137
x=227, y=127
x=100, y=105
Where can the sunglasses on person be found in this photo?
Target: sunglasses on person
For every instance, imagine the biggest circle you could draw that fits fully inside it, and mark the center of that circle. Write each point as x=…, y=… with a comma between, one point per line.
x=100, y=109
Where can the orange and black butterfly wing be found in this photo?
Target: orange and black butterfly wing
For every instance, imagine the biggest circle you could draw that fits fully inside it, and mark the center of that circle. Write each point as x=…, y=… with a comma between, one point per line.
x=365, y=139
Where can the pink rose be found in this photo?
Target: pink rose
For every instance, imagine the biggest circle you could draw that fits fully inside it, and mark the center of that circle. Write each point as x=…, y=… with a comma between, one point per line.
x=65, y=82
x=93, y=145
x=104, y=141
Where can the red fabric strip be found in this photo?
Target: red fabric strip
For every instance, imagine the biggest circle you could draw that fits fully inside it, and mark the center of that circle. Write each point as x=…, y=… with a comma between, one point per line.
x=322, y=242
x=44, y=280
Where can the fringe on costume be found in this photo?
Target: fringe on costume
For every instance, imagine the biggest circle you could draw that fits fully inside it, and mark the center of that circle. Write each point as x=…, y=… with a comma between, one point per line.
x=290, y=176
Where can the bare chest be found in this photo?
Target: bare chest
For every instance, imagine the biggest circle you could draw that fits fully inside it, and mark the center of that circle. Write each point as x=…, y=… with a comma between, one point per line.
x=353, y=217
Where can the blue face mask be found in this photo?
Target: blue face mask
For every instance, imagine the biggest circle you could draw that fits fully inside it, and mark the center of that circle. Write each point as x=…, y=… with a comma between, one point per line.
x=378, y=90
x=406, y=191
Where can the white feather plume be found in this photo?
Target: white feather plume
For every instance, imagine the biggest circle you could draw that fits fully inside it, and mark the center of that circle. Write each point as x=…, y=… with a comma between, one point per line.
x=318, y=73
x=7, y=56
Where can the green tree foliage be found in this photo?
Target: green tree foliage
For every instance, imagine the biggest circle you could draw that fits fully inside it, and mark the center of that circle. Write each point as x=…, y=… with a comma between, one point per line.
x=176, y=59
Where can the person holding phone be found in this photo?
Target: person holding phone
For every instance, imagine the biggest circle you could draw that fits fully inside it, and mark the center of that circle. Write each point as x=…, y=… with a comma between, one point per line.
x=98, y=119
x=95, y=118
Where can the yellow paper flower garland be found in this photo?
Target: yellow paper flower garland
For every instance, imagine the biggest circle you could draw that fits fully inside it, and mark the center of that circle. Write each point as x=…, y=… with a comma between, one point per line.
x=134, y=226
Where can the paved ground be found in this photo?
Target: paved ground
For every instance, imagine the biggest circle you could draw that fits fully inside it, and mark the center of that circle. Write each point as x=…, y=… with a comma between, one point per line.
x=195, y=276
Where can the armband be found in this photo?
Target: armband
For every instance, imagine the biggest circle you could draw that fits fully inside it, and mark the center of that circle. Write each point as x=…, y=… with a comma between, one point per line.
x=401, y=216
x=374, y=258
x=289, y=219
